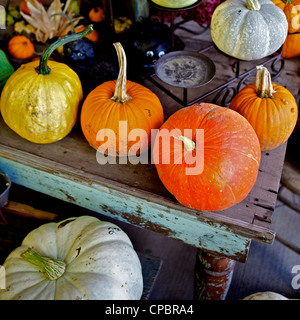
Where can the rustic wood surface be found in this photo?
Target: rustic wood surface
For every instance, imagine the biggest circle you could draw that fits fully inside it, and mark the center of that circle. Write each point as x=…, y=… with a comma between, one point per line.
x=74, y=158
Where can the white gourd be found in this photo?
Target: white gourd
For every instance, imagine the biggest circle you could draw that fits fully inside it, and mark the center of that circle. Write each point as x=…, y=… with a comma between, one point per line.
x=248, y=29
x=88, y=259
x=266, y=295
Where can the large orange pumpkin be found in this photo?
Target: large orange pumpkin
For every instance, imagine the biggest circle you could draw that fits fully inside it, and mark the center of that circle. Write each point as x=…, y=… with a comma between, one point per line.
x=271, y=109
x=115, y=109
x=211, y=171
x=291, y=8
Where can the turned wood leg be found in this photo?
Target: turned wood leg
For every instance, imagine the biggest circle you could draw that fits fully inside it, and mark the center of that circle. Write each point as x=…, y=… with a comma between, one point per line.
x=212, y=276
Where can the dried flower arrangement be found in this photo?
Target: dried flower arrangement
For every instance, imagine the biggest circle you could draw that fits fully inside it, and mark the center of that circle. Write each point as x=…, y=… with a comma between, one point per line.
x=56, y=21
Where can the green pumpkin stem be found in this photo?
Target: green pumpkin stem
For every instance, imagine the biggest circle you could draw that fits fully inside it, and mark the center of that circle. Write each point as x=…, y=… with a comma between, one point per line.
x=287, y=1
x=253, y=5
x=53, y=268
x=43, y=68
x=263, y=83
x=120, y=94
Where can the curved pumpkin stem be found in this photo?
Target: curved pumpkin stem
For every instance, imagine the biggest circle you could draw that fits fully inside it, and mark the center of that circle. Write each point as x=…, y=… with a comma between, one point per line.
x=253, y=5
x=263, y=84
x=188, y=143
x=120, y=94
x=53, y=268
x=43, y=68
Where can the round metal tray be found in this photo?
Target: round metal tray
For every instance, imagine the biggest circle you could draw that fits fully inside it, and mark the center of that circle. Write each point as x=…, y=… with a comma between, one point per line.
x=185, y=69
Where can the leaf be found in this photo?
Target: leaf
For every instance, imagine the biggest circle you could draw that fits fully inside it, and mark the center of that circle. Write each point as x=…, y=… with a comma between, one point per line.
x=50, y=23
x=54, y=9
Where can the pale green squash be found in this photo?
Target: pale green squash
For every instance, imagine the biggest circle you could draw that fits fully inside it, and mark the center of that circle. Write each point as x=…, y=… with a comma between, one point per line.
x=248, y=29
x=79, y=258
x=174, y=3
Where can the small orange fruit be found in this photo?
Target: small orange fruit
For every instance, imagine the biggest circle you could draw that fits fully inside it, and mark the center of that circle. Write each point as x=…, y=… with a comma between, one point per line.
x=96, y=14
x=20, y=47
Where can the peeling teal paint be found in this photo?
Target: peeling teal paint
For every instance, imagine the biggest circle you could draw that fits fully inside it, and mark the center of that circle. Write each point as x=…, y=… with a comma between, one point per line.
x=172, y=223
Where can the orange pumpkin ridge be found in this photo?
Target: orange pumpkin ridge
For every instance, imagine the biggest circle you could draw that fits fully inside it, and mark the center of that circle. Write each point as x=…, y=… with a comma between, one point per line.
x=273, y=115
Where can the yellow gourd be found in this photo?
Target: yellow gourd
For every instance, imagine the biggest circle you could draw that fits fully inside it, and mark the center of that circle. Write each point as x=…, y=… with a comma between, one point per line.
x=40, y=100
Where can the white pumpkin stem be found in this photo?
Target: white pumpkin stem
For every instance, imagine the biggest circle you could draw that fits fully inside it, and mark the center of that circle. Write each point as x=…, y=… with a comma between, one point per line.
x=263, y=84
x=120, y=94
x=188, y=143
x=253, y=5
x=53, y=268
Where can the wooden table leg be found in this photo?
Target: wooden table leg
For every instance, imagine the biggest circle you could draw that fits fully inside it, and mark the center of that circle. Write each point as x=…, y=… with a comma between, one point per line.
x=212, y=276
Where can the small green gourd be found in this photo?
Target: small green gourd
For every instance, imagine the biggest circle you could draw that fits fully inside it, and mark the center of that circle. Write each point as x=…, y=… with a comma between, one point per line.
x=6, y=69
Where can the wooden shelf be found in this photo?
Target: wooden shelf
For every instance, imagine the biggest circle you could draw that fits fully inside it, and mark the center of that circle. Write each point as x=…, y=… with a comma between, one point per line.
x=68, y=170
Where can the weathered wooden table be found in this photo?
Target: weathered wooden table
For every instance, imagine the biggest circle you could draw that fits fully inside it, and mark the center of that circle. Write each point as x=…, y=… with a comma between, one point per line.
x=68, y=170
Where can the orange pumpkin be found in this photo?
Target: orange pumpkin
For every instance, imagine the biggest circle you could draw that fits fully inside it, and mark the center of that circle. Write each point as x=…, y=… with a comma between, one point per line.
x=211, y=173
x=93, y=36
x=96, y=14
x=20, y=47
x=271, y=109
x=291, y=8
x=117, y=108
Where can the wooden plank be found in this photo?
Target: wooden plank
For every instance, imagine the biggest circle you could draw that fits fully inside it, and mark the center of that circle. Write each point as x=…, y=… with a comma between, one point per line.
x=271, y=167
x=192, y=229
x=233, y=218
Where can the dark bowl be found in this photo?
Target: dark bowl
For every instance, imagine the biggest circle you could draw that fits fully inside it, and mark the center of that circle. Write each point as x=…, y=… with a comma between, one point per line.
x=5, y=184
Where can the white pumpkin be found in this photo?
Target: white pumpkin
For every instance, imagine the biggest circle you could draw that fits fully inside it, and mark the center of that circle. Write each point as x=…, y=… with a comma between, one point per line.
x=248, y=29
x=79, y=258
x=266, y=295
